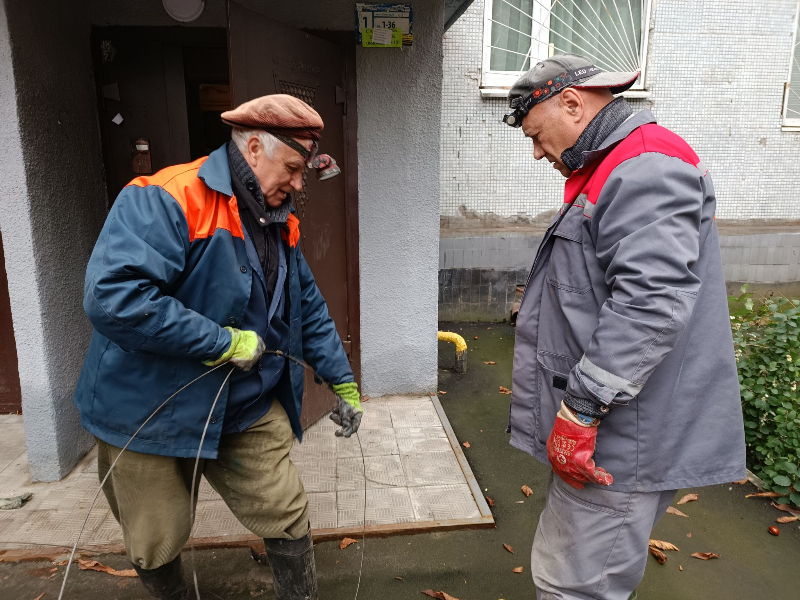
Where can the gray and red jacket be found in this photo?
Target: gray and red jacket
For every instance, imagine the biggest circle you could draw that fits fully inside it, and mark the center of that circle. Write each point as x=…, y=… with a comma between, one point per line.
x=626, y=306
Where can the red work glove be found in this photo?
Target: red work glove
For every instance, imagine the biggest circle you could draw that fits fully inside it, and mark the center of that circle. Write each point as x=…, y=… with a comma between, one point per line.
x=570, y=448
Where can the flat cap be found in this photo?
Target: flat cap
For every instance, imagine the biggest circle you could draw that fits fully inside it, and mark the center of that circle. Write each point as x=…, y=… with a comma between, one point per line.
x=277, y=113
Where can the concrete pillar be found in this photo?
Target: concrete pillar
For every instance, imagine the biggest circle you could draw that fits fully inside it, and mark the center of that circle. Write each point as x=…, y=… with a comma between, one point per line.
x=52, y=204
x=399, y=115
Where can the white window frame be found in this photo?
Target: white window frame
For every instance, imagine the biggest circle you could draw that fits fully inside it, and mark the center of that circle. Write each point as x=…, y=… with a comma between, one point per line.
x=497, y=83
x=790, y=123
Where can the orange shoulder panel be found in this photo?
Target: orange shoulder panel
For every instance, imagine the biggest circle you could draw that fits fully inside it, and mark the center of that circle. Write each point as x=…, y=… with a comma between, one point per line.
x=206, y=210
x=293, y=236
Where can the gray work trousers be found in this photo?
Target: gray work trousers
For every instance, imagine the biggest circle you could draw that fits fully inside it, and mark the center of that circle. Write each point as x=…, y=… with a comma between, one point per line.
x=592, y=543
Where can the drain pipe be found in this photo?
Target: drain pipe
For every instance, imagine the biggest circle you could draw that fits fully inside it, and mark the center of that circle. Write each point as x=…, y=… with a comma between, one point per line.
x=461, y=349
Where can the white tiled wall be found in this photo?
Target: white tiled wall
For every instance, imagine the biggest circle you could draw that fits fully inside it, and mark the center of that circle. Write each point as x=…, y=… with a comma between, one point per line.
x=716, y=74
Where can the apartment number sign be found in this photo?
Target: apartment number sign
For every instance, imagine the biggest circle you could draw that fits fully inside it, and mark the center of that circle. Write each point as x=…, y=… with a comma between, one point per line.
x=383, y=25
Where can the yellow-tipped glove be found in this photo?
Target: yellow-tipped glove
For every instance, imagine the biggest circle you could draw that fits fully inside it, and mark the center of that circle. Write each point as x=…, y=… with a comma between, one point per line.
x=243, y=353
x=348, y=412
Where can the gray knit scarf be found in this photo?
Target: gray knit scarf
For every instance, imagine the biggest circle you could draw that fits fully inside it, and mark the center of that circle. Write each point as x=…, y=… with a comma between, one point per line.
x=596, y=132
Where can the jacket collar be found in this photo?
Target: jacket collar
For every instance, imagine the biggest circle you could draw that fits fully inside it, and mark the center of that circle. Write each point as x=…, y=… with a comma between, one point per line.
x=215, y=172
x=632, y=123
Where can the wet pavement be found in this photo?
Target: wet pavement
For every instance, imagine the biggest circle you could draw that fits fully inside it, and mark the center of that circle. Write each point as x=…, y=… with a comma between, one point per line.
x=473, y=565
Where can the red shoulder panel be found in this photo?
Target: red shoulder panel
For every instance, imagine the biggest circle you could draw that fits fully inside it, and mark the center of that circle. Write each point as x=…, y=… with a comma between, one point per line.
x=206, y=210
x=647, y=138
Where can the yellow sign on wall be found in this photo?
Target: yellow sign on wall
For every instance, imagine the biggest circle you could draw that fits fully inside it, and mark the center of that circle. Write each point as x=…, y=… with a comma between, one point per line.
x=383, y=25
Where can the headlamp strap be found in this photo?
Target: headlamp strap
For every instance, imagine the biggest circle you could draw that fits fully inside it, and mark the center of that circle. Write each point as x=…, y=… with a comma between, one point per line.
x=554, y=85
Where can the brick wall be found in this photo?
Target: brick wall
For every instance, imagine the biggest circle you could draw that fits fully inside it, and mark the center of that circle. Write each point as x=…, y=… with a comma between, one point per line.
x=716, y=74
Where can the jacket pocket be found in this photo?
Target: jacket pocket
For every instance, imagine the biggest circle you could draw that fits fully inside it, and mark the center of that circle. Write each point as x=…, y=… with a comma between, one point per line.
x=566, y=268
x=554, y=372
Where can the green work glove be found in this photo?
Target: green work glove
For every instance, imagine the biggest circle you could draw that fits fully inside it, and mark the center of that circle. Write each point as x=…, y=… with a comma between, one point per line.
x=348, y=411
x=243, y=353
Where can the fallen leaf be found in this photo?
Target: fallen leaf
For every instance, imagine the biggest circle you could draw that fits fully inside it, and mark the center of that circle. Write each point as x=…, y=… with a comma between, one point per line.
x=674, y=511
x=527, y=491
x=39, y=597
x=399, y=578
x=660, y=556
x=93, y=565
x=680, y=568
x=489, y=501
x=764, y=495
x=741, y=481
x=520, y=501
x=509, y=548
x=705, y=555
x=62, y=563
x=488, y=328
x=661, y=545
x=504, y=390
x=687, y=498
x=466, y=445
x=489, y=362
x=689, y=534
x=439, y=595
x=786, y=519
x=346, y=542
x=517, y=569
x=442, y=392
x=787, y=508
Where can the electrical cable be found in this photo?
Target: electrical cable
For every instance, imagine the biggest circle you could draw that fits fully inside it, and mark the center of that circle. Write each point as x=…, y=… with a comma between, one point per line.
x=194, y=475
x=111, y=468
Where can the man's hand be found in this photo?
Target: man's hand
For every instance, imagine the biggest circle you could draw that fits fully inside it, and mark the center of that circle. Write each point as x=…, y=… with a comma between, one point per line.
x=348, y=412
x=570, y=448
x=243, y=353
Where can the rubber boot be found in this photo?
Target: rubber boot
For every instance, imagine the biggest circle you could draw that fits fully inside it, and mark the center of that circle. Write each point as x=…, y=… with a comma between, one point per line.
x=294, y=575
x=166, y=582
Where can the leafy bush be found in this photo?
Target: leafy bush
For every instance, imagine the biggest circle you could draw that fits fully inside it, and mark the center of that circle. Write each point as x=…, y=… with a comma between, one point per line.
x=766, y=336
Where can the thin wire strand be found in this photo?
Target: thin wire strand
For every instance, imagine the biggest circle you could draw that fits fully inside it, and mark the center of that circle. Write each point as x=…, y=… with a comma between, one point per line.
x=111, y=468
x=194, y=479
x=364, y=519
x=194, y=475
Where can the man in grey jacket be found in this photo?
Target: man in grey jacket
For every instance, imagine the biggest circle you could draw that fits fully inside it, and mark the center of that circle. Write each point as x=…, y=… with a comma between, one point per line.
x=624, y=372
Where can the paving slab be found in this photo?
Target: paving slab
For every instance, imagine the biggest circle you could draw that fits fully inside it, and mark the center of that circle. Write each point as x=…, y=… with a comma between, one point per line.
x=333, y=470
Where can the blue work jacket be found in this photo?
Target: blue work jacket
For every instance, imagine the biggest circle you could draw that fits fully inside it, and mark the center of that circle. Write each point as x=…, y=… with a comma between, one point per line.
x=168, y=272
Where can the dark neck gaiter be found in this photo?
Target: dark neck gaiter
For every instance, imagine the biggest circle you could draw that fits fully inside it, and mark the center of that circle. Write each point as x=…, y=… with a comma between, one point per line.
x=596, y=132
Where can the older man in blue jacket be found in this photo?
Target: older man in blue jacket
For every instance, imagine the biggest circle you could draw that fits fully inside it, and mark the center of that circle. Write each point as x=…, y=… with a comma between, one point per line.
x=196, y=266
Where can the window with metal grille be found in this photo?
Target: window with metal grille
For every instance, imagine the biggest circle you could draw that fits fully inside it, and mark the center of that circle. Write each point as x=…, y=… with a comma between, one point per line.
x=518, y=33
x=791, y=100
x=303, y=92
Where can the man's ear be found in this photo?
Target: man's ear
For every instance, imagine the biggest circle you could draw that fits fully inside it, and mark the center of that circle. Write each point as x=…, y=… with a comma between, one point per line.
x=253, y=150
x=572, y=103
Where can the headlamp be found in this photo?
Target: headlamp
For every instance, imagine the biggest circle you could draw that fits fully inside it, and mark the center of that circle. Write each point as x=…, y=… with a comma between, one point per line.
x=514, y=119
x=521, y=108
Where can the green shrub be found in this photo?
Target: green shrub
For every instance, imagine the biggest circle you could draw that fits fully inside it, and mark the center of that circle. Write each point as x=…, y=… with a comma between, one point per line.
x=766, y=335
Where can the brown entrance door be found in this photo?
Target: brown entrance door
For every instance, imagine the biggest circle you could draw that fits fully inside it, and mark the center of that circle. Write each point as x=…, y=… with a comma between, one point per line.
x=267, y=57
x=10, y=394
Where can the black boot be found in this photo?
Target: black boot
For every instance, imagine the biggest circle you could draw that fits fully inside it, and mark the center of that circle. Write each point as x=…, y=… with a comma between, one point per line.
x=165, y=582
x=294, y=575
